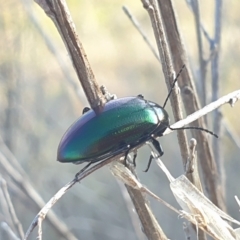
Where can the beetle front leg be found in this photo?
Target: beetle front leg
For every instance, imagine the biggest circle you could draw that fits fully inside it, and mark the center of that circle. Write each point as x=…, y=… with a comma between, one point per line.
x=159, y=149
x=82, y=170
x=157, y=146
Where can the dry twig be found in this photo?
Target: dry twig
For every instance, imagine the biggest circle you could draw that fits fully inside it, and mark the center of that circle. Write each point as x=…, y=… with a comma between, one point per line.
x=30, y=191
x=16, y=222
x=8, y=230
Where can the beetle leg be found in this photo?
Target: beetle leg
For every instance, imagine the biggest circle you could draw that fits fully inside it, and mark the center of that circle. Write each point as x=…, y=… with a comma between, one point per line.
x=159, y=149
x=125, y=157
x=134, y=158
x=157, y=146
x=83, y=169
x=149, y=163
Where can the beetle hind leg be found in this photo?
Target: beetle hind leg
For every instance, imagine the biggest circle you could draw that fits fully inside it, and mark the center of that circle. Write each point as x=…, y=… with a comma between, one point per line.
x=82, y=170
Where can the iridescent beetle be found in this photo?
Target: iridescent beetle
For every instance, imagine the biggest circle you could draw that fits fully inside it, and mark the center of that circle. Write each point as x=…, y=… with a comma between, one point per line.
x=124, y=125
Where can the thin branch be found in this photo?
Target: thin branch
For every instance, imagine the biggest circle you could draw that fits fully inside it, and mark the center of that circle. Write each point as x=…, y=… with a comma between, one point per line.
x=212, y=44
x=25, y=185
x=139, y=29
x=206, y=35
x=9, y=231
x=11, y=209
x=43, y=212
x=217, y=116
x=40, y=229
x=230, y=98
x=217, y=41
x=194, y=4
x=192, y=165
x=58, y=11
x=4, y=214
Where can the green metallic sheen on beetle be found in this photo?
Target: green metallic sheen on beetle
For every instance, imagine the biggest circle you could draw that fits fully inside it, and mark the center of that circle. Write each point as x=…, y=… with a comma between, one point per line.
x=124, y=124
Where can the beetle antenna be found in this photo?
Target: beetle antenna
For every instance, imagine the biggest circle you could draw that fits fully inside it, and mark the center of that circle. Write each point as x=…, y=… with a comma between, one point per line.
x=168, y=96
x=173, y=85
x=197, y=128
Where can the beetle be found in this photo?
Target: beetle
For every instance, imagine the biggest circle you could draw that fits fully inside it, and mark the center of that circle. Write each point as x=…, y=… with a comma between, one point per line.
x=124, y=125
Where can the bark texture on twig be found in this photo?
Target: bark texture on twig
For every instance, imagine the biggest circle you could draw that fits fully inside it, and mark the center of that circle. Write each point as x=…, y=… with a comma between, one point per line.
x=153, y=232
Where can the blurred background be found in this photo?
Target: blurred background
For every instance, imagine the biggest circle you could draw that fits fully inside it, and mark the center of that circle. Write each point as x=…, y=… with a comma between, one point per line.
x=40, y=97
